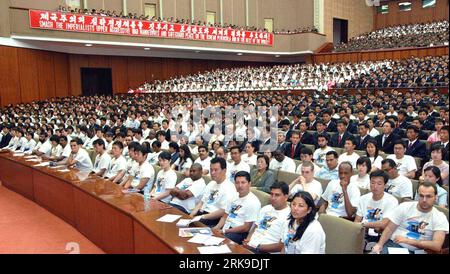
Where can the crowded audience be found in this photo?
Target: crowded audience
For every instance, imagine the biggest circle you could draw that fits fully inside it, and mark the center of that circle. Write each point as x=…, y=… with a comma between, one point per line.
x=411, y=35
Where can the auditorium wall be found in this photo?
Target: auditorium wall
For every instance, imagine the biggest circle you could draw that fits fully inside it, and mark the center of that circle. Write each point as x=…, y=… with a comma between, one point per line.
x=358, y=14
x=417, y=14
x=379, y=55
x=28, y=74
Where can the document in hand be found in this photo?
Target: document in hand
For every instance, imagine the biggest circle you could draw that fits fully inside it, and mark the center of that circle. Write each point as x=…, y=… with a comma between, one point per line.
x=187, y=222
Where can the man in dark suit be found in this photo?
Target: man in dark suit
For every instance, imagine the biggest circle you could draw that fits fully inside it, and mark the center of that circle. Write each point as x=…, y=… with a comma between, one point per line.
x=281, y=140
x=364, y=137
x=6, y=136
x=174, y=152
x=330, y=126
x=119, y=126
x=293, y=148
x=385, y=141
x=402, y=123
x=338, y=140
x=414, y=147
x=103, y=125
x=305, y=136
x=444, y=135
x=312, y=120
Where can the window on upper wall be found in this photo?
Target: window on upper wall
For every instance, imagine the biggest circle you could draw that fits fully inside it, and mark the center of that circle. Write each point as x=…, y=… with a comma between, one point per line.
x=428, y=3
x=210, y=17
x=268, y=24
x=404, y=6
x=150, y=10
x=73, y=4
x=383, y=9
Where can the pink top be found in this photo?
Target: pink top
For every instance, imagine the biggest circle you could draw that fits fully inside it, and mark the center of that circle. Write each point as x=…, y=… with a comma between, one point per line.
x=434, y=137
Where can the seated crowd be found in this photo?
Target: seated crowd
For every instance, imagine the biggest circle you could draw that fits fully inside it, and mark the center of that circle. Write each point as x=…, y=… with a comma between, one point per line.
x=407, y=73
x=354, y=157
x=411, y=35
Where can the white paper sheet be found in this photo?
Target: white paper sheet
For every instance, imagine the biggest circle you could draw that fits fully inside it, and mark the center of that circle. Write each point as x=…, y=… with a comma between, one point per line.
x=43, y=164
x=169, y=218
x=199, y=239
x=34, y=160
x=63, y=170
x=30, y=157
x=398, y=250
x=187, y=222
x=214, y=249
x=18, y=154
x=213, y=240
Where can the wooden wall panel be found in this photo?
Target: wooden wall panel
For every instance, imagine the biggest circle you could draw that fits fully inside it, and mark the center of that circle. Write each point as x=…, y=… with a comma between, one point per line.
x=61, y=69
x=76, y=62
x=119, y=67
x=136, y=71
x=46, y=74
x=99, y=61
x=9, y=76
x=417, y=14
x=28, y=72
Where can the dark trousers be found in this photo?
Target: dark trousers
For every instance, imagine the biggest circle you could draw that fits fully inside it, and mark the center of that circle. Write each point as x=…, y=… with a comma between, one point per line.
x=179, y=208
x=209, y=223
x=391, y=243
x=236, y=237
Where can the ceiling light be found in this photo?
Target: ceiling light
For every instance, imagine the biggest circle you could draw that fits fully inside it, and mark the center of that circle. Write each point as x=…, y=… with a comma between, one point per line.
x=197, y=51
x=88, y=45
x=277, y=55
x=146, y=48
x=240, y=53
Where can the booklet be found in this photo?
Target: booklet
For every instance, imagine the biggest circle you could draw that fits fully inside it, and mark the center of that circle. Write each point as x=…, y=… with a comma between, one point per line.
x=190, y=232
x=169, y=218
x=187, y=222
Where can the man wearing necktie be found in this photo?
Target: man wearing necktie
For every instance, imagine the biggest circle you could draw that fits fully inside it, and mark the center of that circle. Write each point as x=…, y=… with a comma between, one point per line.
x=293, y=148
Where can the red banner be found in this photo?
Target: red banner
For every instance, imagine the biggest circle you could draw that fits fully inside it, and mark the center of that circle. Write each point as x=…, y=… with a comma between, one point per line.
x=118, y=26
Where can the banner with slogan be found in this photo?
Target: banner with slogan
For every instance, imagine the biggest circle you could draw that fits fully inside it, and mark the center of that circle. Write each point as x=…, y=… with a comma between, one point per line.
x=97, y=24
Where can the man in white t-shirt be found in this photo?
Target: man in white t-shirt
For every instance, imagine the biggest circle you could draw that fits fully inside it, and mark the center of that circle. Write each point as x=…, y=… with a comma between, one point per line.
x=319, y=155
x=340, y=197
x=350, y=155
x=415, y=225
x=307, y=183
x=240, y=215
x=375, y=205
x=264, y=237
x=406, y=164
x=43, y=147
x=218, y=194
x=281, y=162
x=188, y=192
x=79, y=158
x=118, y=164
x=238, y=164
x=102, y=159
x=398, y=185
x=306, y=155
x=144, y=175
x=203, y=159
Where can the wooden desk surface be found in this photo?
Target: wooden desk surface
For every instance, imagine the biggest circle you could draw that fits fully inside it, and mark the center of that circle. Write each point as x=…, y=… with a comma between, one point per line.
x=117, y=222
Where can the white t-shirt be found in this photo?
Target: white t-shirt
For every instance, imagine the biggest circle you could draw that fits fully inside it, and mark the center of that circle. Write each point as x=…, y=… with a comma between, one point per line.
x=417, y=225
x=196, y=187
x=233, y=169
x=45, y=147
x=115, y=166
x=218, y=196
x=28, y=146
x=286, y=165
x=204, y=163
x=319, y=155
x=352, y=158
x=165, y=180
x=314, y=187
x=269, y=225
x=66, y=151
x=400, y=187
x=101, y=162
x=186, y=165
x=404, y=165
x=165, y=145
x=252, y=160
x=373, y=211
x=335, y=198
x=145, y=170
x=242, y=210
x=152, y=158
x=83, y=160
x=311, y=242
x=376, y=162
x=374, y=132
x=363, y=182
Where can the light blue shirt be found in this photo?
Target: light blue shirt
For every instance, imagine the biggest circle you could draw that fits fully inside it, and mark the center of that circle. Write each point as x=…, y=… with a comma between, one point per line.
x=327, y=174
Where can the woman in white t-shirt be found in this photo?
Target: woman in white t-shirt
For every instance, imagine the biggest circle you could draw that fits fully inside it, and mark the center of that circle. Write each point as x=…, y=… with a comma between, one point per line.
x=165, y=180
x=249, y=157
x=184, y=162
x=432, y=174
x=302, y=233
x=372, y=153
x=362, y=179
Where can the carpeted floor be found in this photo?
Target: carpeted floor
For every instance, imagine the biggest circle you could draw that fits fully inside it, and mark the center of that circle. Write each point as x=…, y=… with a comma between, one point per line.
x=27, y=228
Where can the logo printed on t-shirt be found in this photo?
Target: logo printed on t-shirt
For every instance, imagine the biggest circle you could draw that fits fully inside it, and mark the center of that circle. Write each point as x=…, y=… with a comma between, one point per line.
x=266, y=222
x=233, y=210
x=416, y=229
x=212, y=196
x=374, y=214
x=336, y=199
